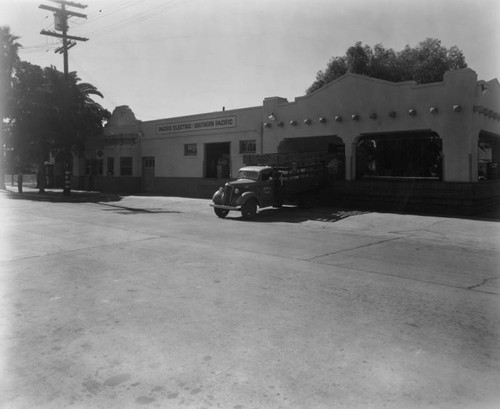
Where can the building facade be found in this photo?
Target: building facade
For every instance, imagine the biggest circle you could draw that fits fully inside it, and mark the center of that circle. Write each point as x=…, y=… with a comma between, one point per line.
x=396, y=144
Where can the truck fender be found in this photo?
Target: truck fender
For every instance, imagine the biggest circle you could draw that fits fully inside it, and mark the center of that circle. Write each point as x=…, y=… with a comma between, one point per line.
x=247, y=195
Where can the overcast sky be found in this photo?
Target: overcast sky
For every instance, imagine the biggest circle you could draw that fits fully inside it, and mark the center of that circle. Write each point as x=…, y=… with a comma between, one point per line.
x=167, y=58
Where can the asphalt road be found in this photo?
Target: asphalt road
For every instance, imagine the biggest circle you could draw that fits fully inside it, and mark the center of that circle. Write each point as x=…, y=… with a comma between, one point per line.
x=155, y=302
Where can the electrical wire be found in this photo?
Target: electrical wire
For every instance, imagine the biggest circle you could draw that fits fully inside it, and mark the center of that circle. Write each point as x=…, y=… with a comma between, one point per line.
x=111, y=11
x=138, y=18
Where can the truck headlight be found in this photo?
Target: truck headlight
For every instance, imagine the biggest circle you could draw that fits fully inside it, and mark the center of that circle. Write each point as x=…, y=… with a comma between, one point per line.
x=236, y=191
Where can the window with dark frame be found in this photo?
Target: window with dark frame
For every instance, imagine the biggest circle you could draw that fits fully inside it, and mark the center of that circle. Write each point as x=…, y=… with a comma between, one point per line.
x=148, y=162
x=248, y=146
x=88, y=167
x=190, y=149
x=126, y=164
x=111, y=166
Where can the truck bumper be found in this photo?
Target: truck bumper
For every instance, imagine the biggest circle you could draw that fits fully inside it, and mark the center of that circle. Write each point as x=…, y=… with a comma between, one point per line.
x=219, y=206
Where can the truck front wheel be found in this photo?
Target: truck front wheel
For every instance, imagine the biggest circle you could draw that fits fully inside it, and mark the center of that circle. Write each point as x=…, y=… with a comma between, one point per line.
x=221, y=212
x=249, y=209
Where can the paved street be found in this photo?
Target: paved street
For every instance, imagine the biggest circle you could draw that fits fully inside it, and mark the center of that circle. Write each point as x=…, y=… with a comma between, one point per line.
x=155, y=302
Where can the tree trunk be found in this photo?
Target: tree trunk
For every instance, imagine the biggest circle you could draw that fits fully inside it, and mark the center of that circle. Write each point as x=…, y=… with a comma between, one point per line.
x=20, y=182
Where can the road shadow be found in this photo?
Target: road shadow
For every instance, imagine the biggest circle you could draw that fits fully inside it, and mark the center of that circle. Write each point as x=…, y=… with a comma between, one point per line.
x=293, y=214
x=126, y=210
x=57, y=196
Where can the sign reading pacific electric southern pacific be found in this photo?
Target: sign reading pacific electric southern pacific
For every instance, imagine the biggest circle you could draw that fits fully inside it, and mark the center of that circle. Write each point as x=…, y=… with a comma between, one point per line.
x=201, y=125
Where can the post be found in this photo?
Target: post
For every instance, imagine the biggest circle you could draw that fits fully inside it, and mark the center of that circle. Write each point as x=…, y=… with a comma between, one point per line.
x=61, y=24
x=67, y=181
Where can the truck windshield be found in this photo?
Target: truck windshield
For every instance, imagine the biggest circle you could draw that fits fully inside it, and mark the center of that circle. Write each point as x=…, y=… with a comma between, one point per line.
x=248, y=174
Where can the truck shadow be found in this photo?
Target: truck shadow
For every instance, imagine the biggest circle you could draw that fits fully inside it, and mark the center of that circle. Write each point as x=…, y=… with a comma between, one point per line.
x=293, y=214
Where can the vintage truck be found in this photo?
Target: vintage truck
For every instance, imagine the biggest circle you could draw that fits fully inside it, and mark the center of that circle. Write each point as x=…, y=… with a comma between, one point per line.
x=272, y=180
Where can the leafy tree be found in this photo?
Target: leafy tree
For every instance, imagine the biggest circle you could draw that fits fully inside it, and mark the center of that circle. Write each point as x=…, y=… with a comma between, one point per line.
x=8, y=60
x=425, y=63
x=52, y=113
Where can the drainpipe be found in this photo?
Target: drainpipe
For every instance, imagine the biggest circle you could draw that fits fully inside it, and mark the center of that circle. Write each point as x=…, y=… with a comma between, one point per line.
x=261, y=137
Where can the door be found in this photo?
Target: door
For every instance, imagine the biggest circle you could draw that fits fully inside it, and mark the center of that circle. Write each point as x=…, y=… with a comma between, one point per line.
x=267, y=186
x=217, y=160
x=148, y=173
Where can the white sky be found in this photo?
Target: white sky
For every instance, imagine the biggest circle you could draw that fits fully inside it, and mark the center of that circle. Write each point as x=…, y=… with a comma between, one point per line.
x=167, y=58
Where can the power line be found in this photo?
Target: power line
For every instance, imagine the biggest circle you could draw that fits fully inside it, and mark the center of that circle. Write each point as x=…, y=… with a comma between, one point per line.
x=138, y=17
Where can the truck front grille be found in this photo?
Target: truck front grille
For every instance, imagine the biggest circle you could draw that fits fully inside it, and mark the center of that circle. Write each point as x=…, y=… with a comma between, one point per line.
x=228, y=195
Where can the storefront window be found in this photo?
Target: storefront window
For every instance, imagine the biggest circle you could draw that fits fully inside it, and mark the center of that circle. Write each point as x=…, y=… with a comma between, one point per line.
x=126, y=166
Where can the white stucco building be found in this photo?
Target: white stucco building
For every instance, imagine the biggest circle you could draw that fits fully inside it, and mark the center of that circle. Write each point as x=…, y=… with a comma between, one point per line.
x=398, y=145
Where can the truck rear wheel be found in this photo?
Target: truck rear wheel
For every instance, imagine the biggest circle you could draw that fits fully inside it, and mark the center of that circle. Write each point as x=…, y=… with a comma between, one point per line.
x=249, y=209
x=221, y=212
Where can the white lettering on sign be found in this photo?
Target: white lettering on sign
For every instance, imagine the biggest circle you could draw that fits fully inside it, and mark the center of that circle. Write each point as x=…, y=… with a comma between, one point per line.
x=214, y=123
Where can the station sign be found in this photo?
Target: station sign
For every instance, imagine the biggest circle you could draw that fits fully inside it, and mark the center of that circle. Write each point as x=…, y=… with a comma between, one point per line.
x=198, y=125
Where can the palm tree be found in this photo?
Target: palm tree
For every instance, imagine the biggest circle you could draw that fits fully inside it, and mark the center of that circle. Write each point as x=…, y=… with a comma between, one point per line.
x=8, y=61
x=77, y=115
x=53, y=113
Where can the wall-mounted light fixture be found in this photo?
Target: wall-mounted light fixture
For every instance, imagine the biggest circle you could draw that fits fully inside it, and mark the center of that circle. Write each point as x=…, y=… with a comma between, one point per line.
x=338, y=118
x=373, y=115
x=267, y=124
x=280, y=124
x=322, y=119
x=412, y=112
x=272, y=117
x=307, y=121
x=457, y=108
x=392, y=114
x=433, y=110
x=293, y=123
x=355, y=117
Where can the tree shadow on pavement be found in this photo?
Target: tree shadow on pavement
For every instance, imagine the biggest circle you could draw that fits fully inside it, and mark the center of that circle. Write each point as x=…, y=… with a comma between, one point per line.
x=57, y=196
x=135, y=210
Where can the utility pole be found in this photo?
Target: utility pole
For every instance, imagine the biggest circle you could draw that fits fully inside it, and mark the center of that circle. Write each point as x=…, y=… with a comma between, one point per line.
x=61, y=15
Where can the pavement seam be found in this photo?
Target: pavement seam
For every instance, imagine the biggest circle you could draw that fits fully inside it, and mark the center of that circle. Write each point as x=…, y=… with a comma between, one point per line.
x=470, y=288
x=353, y=248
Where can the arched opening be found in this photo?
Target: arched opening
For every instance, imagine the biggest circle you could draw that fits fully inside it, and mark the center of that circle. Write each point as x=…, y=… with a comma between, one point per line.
x=488, y=156
x=414, y=154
